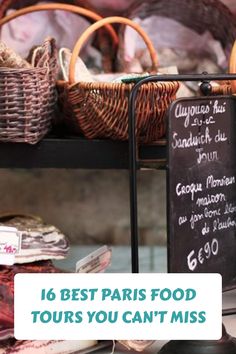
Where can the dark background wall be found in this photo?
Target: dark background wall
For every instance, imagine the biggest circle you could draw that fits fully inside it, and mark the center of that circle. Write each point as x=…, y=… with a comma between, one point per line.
x=89, y=206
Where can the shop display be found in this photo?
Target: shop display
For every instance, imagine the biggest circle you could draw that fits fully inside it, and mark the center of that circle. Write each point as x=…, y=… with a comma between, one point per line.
x=7, y=274
x=40, y=244
x=96, y=105
x=41, y=119
x=39, y=240
x=101, y=117
x=104, y=113
x=44, y=242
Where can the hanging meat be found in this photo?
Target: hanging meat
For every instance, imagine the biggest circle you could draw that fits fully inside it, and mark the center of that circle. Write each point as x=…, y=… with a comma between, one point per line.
x=7, y=274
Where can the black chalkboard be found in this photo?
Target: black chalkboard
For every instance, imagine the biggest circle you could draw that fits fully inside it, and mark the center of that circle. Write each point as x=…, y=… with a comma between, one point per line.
x=201, y=187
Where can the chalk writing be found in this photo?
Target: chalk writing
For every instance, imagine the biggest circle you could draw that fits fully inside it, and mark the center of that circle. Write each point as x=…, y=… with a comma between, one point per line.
x=192, y=140
x=212, y=182
x=210, y=199
x=202, y=191
x=188, y=189
x=208, y=250
x=206, y=156
x=182, y=219
x=199, y=122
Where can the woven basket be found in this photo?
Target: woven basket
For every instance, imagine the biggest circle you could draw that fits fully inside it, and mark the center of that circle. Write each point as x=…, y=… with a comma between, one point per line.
x=107, y=44
x=28, y=97
x=100, y=110
x=198, y=15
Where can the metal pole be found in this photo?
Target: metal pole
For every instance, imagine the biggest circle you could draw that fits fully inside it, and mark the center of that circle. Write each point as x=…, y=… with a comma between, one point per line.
x=229, y=312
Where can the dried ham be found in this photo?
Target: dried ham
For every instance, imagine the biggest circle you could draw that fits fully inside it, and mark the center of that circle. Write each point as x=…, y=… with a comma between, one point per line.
x=5, y=344
x=6, y=333
x=7, y=274
x=45, y=347
x=39, y=241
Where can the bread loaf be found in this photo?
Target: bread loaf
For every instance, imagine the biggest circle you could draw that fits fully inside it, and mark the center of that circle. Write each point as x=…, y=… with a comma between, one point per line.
x=10, y=59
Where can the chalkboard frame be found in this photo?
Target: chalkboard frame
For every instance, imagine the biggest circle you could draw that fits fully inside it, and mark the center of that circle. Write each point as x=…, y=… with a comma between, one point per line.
x=173, y=263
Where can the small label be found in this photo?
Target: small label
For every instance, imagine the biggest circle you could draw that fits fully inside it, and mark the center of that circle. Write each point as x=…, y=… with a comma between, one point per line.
x=96, y=262
x=10, y=244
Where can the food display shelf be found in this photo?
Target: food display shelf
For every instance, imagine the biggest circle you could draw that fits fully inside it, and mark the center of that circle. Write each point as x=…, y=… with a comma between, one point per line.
x=79, y=153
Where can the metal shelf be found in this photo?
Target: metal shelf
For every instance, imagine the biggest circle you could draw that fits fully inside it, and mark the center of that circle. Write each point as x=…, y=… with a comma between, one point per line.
x=79, y=153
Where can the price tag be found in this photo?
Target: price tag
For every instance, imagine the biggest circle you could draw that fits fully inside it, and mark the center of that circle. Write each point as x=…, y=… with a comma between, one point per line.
x=96, y=262
x=10, y=244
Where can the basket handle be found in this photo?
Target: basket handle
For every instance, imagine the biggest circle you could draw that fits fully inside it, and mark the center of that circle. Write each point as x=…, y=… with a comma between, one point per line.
x=116, y=19
x=232, y=67
x=64, y=7
x=45, y=56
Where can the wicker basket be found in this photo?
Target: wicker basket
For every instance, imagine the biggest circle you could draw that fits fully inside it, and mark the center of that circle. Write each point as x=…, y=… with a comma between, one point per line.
x=100, y=110
x=198, y=15
x=28, y=96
